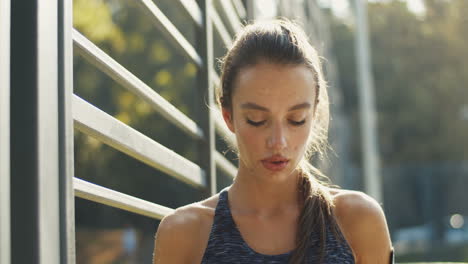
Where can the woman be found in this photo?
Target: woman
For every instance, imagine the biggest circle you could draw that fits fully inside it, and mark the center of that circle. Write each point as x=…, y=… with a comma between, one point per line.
x=273, y=98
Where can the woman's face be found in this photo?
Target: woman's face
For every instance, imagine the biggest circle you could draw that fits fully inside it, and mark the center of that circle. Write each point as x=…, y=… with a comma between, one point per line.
x=272, y=115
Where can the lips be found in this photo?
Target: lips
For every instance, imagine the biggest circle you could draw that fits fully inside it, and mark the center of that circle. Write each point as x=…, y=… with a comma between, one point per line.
x=275, y=163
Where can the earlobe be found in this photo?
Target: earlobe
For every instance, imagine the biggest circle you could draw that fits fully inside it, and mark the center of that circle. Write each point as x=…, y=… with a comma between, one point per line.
x=227, y=116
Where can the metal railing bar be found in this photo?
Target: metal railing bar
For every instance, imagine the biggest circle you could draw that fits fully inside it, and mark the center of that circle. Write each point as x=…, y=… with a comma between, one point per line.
x=219, y=25
x=193, y=10
x=109, y=197
x=231, y=15
x=208, y=147
x=171, y=32
x=5, y=210
x=66, y=139
x=47, y=202
x=225, y=165
x=125, y=78
x=239, y=8
x=33, y=132
x=98, y=124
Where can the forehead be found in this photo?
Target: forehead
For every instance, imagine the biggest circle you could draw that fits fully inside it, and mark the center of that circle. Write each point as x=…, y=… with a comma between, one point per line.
x=269, y=83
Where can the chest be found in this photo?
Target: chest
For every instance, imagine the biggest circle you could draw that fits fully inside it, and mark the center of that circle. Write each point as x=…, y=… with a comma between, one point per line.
x=268, y=235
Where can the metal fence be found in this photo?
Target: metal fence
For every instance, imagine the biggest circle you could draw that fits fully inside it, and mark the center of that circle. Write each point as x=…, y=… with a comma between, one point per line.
x=45, y=112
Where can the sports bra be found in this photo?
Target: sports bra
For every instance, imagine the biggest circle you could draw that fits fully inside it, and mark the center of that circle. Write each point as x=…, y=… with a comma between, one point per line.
x=226, y=245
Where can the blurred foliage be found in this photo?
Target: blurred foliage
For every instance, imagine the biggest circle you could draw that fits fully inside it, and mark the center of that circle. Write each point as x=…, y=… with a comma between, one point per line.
x=420, y=69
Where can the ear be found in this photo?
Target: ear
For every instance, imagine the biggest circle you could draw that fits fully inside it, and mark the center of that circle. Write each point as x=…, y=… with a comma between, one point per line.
x=227, y=115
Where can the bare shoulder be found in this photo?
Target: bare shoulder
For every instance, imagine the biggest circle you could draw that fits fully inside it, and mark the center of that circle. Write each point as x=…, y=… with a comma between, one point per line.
x=362, y=221
x=182, y=235
x=355, y=204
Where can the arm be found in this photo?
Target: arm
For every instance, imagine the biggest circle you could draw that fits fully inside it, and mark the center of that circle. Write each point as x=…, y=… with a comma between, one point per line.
x=364, y=226
x=171, y=244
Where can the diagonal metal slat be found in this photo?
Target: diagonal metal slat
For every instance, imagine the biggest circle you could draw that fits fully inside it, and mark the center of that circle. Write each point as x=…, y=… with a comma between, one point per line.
x=219, y=25
x=121, y=75
x=239, y=6
x=231, y=15
x=96, y=123
x=225, y=165
x=102, y=195
x=193, y=10
x=170, y=31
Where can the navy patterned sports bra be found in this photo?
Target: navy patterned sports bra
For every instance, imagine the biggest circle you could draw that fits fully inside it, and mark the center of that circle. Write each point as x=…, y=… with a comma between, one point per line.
x=226, y=245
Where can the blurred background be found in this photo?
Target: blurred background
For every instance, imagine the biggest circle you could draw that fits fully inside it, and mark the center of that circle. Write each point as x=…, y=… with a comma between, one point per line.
x=418, y=60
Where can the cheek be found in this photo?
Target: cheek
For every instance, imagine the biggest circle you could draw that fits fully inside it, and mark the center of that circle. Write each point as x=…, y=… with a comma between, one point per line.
x=249, y=139
x=299, y=140
x=250, y=145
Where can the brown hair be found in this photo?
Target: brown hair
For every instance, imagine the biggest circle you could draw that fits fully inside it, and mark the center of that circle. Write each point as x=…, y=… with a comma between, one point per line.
x=285, y=43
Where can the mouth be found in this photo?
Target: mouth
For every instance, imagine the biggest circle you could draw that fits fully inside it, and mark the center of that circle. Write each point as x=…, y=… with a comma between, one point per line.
x=275, y=163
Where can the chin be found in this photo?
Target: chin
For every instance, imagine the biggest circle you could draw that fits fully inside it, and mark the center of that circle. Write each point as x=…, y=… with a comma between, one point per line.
x=283, y=174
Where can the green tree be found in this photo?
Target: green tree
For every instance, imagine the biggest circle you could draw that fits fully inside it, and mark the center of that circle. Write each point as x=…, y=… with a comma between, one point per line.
x=420, y=65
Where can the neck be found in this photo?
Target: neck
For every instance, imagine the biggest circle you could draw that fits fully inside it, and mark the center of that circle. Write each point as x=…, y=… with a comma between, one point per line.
x=250, y=194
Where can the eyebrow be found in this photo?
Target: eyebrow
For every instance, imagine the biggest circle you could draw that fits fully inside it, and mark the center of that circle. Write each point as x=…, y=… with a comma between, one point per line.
x=261, y=108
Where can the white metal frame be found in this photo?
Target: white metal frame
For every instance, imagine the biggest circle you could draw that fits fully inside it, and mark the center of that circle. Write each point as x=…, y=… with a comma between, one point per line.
x=5, y=131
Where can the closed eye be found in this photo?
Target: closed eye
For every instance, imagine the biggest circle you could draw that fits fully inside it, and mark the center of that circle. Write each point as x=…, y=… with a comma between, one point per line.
x=297, y=123
x=256, y=123
x=259, y=123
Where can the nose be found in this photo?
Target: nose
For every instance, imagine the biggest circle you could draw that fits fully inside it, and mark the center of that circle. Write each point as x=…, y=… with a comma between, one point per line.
x=277, y=138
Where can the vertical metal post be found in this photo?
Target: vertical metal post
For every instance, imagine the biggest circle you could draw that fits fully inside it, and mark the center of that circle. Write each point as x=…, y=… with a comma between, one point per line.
x=5, y=131
x=23, y=132
x=370, y=153
x=207, y=146
x=65, y=122
x=34, y=132
x=250, y=6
